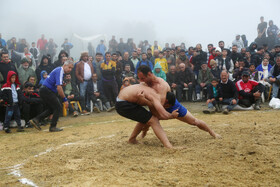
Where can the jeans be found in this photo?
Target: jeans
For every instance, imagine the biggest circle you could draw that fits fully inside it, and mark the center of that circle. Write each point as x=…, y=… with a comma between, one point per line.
x=10, y=111
x=229, y=102
x=83, y=87
x=275, y=89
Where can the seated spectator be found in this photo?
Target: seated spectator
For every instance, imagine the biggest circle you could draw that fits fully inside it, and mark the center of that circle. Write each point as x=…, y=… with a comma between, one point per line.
x=212, y=56
x=204, y=79
x=72, y=94
x=214, y=69
x=252, y=48
x=263, y=70
x=213, y=102
x=95, y=91
x=129, y=74
x=144, y=61
x=158, y=72
x=253, y=72
x=126, y=83
x=11, y=95
x=172, y=77
x=31, y=104
x=182, y=58
x=185, y=80
x=62, y=57
x=228, y=93
x=134, y=59
x=126, y=60
x=274, y=77
x=237, y=74
x=24, y=71
x=258, y=56
x=32, y=80
x=249, y=91
x=162, y=62
x=45, y=65
x=44, y=75
x=28, y=55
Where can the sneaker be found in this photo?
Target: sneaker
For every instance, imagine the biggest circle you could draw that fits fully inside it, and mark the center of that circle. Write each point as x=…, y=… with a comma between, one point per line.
x=75, y=114
x=20, y=129
x=35, y=124
x=96, y=109
x=28, y=125
x=7, y=130
x=257, y=107
x=206, y=111
x=84, y=112
x=225, y=111
x=111, y=109
x=198, y=97
x=55, y=129
x=209, y=111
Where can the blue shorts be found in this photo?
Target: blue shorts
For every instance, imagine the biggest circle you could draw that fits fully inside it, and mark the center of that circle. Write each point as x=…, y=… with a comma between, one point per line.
x=181, y=109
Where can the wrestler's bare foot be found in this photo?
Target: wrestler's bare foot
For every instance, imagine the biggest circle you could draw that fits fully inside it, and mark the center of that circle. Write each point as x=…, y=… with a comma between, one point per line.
x=176, y=148
x=217, y=136
x=133, y=141
x=144, y=131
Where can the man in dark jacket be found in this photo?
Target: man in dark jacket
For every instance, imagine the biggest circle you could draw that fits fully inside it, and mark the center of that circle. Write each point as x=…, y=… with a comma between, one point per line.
x=185, y=80
x=199, y=58
x=172, y=77
x=95, y=92
x=228, y=92
x=6, y=65
x=45, y=65
x=60, y=60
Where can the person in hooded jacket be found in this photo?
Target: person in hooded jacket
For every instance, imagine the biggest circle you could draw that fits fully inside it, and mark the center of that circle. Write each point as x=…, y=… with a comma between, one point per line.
x=11, y=95
x=59, y=62
x=45, y=65
x=252, y=48
x=44, y=75
x=157, y=71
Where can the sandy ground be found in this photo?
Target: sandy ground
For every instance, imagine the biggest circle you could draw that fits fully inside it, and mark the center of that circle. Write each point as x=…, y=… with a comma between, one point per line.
x=93, y=151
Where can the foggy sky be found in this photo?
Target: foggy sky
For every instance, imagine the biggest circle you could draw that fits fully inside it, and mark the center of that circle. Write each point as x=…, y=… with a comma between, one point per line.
x=175, y=21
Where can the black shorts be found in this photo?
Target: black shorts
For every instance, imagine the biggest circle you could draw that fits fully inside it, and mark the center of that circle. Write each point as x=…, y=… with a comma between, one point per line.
x=133, y=111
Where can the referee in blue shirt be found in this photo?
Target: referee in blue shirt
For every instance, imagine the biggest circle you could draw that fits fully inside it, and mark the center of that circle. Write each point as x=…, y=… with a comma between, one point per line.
x=50, y=92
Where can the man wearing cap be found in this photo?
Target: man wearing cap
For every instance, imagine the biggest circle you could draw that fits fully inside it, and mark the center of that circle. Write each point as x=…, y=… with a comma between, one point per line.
x=274, y=77
x=24, y=71
x=249, y=91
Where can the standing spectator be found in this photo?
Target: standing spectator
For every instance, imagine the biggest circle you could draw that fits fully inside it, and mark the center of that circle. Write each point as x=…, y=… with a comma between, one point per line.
x=228, y=92
x=113, y=45
x=41, y=45
x=145, y=62
x=101, y=48
x=204, y=79
x=274, y=77
x=45, y=65
x=155, y=47
x=11, y=95
x=49, y=92
x=222, y=46
x=261, y=39
x=14, y=47
x=170, y=58
x=91, y=51
x=28, y=55
x=249, y=91
x=83, y=72
x=62, y=57
x=119, y=69
x=134, y=59
x=252, y=48
x=146, y=46
x=96, y=65
x=225, y=62
x=21, y=45
x=238, y=43
x=182, y=58
x=162, y=62
x=209, y=47
x=6, y=65
x=24, y=71
x=130, y=46
x=121, y=46
x=51, y=48
x=244, y=40
x=66, y=46
x=234, y=55
x=199, y=59
x=126, y=60
x=95, y=91
x=108, y=71
x=185, y=80
x=35, y=52
x=189, y=53
x=3, y=42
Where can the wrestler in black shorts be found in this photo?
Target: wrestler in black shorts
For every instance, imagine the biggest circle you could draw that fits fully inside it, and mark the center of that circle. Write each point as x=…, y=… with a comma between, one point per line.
x=133, y=111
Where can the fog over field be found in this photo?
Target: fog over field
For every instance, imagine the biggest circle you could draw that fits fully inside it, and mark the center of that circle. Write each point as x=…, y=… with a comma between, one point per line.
x=175, y=21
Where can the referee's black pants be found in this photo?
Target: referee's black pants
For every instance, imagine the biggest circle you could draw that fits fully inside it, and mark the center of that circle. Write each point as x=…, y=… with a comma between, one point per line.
x=52, y=105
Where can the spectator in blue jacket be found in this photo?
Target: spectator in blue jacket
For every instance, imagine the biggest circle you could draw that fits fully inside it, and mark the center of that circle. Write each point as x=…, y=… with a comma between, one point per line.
x=144, y=61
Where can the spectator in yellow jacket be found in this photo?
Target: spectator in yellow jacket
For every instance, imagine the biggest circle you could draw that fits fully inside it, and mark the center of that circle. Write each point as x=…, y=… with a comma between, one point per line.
x=162, y=62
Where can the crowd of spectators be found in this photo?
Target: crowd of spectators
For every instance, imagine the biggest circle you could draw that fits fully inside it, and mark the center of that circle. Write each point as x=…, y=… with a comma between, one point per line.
x=241, y=74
